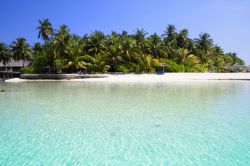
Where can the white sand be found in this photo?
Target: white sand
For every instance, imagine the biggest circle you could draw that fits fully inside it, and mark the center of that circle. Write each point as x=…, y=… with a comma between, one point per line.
x=167, y=77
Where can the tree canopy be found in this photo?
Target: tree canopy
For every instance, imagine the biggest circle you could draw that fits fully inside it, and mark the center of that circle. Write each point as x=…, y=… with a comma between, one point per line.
x=139, y=52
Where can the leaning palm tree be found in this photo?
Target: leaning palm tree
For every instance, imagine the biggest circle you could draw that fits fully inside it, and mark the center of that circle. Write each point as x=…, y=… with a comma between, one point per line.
x=21, y=50
x=45, y=30
x=5, y=55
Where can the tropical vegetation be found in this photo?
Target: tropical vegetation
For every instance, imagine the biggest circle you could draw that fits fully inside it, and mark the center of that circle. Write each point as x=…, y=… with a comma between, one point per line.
x=64, y=52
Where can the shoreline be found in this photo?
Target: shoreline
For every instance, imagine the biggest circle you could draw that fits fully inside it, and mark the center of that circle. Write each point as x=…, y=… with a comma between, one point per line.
x=150, y=78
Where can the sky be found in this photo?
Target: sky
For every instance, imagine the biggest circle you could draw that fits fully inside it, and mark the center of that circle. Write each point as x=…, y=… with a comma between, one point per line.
x=227, y=21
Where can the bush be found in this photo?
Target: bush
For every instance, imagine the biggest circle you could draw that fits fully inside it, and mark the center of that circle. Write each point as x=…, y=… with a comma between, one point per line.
x=42, y=62
x=27, y=70
x=197, y=68
x=129, y=67
x=173, y=66
x=59, y=65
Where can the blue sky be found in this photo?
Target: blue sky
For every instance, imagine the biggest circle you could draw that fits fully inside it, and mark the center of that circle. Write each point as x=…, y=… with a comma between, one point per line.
x=227, y=21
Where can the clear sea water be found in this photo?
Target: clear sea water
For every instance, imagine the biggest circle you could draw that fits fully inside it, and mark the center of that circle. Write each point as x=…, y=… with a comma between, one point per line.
x=77, y=123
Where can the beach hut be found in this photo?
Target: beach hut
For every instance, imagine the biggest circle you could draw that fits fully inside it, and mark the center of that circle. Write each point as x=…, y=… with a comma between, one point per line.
x=14, y=65
x=248, y=68
x=12, y=69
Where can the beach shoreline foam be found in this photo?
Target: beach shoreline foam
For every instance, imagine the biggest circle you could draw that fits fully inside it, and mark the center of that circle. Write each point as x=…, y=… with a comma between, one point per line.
x=167, y=77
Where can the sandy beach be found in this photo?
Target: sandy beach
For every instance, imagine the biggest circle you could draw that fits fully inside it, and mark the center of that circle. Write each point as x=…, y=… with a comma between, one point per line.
x=167, y=77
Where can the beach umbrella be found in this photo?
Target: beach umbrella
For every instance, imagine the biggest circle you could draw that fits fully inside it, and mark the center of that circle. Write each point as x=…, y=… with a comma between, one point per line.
x=163, y=65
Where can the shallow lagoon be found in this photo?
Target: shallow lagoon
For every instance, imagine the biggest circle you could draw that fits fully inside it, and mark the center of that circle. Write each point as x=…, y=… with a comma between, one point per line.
x=80, y=123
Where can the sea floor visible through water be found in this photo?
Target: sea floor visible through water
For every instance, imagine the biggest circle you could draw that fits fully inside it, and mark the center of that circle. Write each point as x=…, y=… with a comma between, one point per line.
x=88, y=123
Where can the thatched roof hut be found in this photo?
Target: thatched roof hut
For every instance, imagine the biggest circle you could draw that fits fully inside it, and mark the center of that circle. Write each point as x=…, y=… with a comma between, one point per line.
x=14, y=65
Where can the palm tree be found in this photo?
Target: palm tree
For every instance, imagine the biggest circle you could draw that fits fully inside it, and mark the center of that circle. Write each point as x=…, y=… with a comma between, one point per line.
x=21, y=50
x=64, y=51
x=217, y=51
x=114, y=56
x=63, y=31
x=124, y=34
x=61, y=42
x=169, y=40
x=95, y=43
x=139, y=36
x=62, y=36
x=96, y=63
x=75, y=61
x=182, y=55
x=235, y=59
x=129, y=49
x=204, y=42
x=170, y=32
x=74, y=56
x=154, y=45
x=45, y=30
x=182, y=38
x=5, y=55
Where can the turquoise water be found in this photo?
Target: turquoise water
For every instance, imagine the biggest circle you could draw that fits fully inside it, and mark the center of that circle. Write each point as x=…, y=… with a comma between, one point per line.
x=77, y=123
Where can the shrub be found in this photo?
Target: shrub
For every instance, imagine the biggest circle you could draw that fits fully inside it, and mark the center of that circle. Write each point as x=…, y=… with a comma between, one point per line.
x=173, y=66
x=27, y=70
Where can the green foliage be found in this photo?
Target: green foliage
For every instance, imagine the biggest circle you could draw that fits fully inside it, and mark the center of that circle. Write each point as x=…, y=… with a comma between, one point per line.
x=96, y=64
x=59, y=65
x=28, y=70
x=45, y=29
x=21, y=50
x=128, y=67
x=41, y=62
x=64, y=52
x=5, y=55
x=173, y=66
